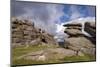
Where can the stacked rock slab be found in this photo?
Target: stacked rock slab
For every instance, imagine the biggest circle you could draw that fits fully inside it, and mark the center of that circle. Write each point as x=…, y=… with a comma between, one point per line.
x=90, y=27
x=25, y=33
x=77, y=41
x=73, y=29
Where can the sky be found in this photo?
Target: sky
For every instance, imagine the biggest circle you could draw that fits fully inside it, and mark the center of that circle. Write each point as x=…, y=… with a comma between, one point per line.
x=50, y=16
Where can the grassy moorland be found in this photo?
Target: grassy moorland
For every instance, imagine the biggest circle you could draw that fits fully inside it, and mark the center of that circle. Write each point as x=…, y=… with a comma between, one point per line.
x=19, y=51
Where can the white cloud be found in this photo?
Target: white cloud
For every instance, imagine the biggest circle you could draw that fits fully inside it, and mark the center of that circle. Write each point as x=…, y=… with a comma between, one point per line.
x=60, y=32
x=82, y=20
x=43, y=15
x=74, y=12
x=60, y=28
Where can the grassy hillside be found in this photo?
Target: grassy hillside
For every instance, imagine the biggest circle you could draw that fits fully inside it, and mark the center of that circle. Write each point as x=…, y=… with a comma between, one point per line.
x=19, y=51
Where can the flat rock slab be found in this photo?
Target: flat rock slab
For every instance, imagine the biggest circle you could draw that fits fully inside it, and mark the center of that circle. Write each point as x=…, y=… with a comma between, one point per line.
x=49, y=54
x=73, y=32
x=72, y=24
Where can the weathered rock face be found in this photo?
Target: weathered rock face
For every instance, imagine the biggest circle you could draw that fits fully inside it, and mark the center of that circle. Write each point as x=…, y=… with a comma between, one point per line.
x=90, y=27
x=77, y=41
x=74, y=24
x=25, y=33
x=81, y=44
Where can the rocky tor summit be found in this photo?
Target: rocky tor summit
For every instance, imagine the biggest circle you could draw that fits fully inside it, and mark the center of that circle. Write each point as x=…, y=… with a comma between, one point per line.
x=24, y=33
x=78, y=41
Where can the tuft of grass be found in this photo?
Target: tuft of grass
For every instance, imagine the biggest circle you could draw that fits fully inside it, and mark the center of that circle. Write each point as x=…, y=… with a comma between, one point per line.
x=79, y=58
x=64, y=60
x=29, y=62
x=18, y=51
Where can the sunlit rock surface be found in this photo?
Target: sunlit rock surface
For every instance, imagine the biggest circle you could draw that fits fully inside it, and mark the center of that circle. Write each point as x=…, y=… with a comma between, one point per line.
x=79, y=37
